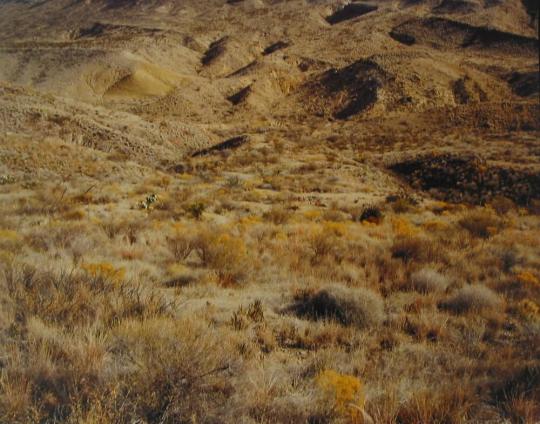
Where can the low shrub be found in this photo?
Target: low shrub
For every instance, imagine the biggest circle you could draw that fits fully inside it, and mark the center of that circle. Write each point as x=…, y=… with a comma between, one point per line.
x=358, y=307
x=277, y=215
x=402, y=203
x=372, y=214
x=428, y=280
x=502, y=205
x=224, y=253
x=196, y=209
x=180, y=245
x=473, y=298
x=345, y=393
x=414, y=248
x=481, y=224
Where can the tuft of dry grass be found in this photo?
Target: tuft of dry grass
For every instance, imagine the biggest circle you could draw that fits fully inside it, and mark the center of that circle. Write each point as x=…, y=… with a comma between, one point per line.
x=278, y=215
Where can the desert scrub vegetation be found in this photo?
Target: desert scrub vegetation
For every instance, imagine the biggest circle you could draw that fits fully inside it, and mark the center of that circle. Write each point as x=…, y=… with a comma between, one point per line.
x=481, y=223
x=216, y=248
x=473, y=298
x=81, y=348
x=428, y=280
x=416, y=248
x=359, y=307
x=346, y=393
x=372, y=214
x=270, y=306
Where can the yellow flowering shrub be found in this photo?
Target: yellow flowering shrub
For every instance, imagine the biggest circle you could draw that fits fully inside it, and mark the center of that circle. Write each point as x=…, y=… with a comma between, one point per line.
x=10, y=240
x=528, y=309
x=527, y=278
x=403, y=228
x=9, y=235
x=334, y=228
x=345, y=391
x=250, y=220
x=224, y=253
x=177, y=269
x=324, y=240
x=312, y=215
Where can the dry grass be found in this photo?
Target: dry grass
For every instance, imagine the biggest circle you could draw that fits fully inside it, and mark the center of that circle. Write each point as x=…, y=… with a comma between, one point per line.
x=165, y=316
x=414, y=248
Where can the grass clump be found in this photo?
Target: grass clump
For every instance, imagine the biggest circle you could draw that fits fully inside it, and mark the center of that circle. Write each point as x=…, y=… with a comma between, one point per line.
x=414, y=248
x=428, y=280
x=278, y=215
x=473, y=298
x=359, y=307
x=481, y=224
x=402, y=203
x=196, y=209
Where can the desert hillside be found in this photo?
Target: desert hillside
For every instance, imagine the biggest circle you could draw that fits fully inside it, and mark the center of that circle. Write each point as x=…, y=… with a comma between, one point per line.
x=269, y=211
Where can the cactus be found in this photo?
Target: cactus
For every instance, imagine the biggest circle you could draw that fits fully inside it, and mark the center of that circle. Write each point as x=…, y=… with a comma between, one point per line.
x=149, y=201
